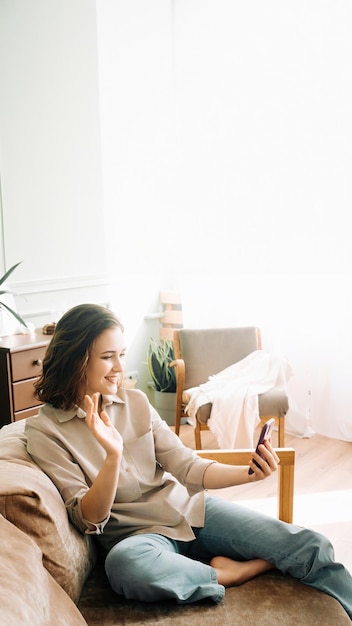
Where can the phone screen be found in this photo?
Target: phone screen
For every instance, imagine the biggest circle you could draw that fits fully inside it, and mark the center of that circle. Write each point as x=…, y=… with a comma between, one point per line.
x=264, y=434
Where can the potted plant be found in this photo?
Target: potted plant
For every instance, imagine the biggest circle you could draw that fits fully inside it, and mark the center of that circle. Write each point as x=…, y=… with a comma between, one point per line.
x=6, y=311
x=160, y=355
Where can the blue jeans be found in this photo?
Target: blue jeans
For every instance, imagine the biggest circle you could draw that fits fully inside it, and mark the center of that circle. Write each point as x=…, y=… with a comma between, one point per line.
x=151, y=567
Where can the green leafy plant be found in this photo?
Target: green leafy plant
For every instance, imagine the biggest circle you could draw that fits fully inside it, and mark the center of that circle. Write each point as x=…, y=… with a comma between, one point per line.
x=5, y=291
x=160, y=355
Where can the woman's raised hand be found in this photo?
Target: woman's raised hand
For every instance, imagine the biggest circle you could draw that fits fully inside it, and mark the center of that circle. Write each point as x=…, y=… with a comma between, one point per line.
x=101, y=427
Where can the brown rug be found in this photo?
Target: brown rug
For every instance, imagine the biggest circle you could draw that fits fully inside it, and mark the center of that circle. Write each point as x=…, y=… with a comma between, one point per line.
x=269, y=600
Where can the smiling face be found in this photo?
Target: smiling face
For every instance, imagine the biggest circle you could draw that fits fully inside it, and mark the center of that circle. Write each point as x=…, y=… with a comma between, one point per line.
x=106, y=362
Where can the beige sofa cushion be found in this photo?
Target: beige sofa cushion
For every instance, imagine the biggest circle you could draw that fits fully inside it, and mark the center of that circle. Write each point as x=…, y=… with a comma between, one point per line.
x=30, y=500
x=28, y=593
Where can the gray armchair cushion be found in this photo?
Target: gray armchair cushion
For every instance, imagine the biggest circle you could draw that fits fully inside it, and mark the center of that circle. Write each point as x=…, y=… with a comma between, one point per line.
x=208, y=351
x=272, y=403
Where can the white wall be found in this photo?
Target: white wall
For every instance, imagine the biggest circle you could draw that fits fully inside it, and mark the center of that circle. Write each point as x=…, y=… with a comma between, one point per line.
x=50, y=161
x=138, y=155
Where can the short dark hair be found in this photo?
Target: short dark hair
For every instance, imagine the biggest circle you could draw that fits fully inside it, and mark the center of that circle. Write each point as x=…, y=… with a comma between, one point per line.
x=67, y=355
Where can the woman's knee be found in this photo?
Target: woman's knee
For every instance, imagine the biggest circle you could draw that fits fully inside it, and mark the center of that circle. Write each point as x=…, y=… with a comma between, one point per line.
x=313, y=552
x=316, y=542
x=124, y=555
x=130, y=564
x=151, y=568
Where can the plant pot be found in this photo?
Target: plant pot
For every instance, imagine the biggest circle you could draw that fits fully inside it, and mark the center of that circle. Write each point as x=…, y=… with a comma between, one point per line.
x=165, y=404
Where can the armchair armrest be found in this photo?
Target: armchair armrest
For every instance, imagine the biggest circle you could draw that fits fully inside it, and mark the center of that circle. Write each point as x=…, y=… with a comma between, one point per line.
x=285, y=474
x=180, y=383
x=180, y=371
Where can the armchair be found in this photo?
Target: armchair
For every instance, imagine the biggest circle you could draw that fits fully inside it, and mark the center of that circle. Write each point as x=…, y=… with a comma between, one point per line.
x=200, y=353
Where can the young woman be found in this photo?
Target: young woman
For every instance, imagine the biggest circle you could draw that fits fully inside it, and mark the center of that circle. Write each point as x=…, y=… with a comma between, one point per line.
x=128, y=479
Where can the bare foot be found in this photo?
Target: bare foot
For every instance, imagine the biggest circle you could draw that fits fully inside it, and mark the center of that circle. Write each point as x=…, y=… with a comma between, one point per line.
x=231, y=573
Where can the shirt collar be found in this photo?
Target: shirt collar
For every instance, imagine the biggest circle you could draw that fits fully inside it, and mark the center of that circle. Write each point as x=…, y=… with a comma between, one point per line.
x=65, y=416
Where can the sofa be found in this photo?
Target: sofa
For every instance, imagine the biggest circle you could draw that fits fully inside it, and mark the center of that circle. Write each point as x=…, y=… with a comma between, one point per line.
x=51, y=575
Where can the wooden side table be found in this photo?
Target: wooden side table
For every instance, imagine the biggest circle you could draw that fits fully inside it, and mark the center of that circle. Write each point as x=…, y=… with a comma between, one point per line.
x=21, y=358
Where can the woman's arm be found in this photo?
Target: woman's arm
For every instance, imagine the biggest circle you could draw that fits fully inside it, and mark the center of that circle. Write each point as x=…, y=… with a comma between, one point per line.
x=219, y=475
x=97, y=502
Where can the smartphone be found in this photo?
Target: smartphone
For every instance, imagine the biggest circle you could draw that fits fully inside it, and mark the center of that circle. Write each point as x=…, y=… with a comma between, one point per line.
x=264, y=434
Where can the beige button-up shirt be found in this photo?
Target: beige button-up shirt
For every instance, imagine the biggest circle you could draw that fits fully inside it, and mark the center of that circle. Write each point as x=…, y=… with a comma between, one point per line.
x=160, y=488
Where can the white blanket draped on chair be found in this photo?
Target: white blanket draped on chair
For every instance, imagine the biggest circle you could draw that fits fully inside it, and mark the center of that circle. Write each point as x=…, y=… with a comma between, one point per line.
x=233, y=393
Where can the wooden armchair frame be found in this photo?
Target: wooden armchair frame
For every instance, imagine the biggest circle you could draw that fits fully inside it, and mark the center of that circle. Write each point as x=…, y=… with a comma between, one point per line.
x=285, y=474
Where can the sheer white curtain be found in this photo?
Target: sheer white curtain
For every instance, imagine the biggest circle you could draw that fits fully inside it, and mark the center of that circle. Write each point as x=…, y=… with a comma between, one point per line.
x=227, y=137
x=264, y=95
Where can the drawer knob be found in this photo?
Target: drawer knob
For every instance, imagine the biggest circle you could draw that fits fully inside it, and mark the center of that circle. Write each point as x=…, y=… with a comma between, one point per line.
x=38, y=362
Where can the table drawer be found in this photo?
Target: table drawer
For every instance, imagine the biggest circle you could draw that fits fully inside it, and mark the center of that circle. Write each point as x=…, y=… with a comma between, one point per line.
x=27, y=364
x=21, y=415
x=24, y=395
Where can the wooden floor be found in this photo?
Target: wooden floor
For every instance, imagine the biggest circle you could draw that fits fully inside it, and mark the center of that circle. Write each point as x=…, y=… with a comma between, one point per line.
x=323, y=487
